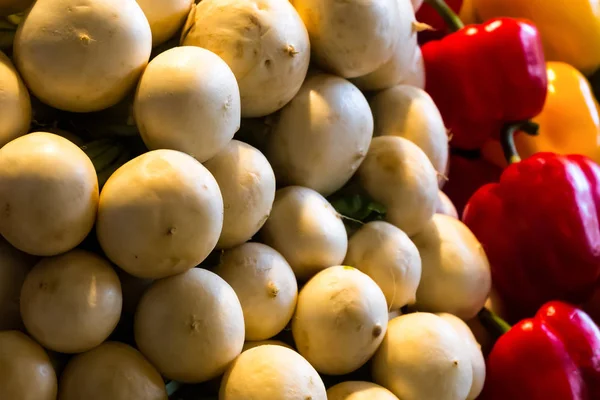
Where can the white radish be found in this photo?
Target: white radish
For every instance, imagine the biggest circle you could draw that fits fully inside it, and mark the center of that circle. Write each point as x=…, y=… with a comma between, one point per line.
x=390, y=258
x=274, y=373
x=263, y=41
x=423, y=357
x=335, y=138
x=265, y=285
x=165, y=17
x=341, y=318
x=456, y=276
x=351, y=38
x=160, y=214
x=406, y=65
x=72, y=302
x=82, y=57
x=474, y=349
x=247, y=183
x=409, y=112
x=307, y=231
x=48, y=194
x=190, y=326
x=445, y=205
x=188, y=100
x=398, y=174
x=15, y=104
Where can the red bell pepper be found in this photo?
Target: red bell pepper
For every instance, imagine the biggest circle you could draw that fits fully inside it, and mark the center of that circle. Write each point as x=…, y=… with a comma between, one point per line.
x=428, y=15
x=540, y=228
x=553, y=356
x=484, y=76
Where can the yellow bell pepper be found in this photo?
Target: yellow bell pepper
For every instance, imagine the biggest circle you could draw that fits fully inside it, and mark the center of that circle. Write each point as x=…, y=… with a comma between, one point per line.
x=569, y=122
x=570, y=29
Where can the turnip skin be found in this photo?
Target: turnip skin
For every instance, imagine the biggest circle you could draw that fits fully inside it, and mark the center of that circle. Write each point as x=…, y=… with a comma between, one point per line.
x=335, y=138
x=264, y=42
x=26, y=372
x=351, y=38
x=49, y=194
x=165, y=17
x=82, y=57
x=423, y=357
x=398, y=174
x=15, y=103
x=247, y=183
x=188, y=100
x=160, y=214
x=307, y=231
x=456, y=275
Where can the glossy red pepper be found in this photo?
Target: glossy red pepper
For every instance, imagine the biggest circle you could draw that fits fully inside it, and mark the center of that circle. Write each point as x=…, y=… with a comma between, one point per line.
x=484, y=76
x=540, y=228
x=553, y=356
x=428, y=15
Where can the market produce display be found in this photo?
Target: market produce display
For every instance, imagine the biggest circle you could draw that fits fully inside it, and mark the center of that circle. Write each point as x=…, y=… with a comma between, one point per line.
x=299, y=200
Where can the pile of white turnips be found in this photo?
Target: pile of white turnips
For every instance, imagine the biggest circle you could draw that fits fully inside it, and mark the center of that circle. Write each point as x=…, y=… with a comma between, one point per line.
x=337, y=88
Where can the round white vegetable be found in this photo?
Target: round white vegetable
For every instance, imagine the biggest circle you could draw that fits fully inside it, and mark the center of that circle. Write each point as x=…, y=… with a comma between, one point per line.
x=351, y=38
x=247, y=183
x=14, y=266
x=340, y=320
x=188, y=100
x=390, y=258
x=190, y=326
x=160, y=214
x=474, y=349
x=398, y=174
x=335, y=138
x=265, y=285
x=26, y=372
x=455, y=270
x=307, y=231
x=165, y=17
x=423, y=357
x=445, y=205
x=82, y=57
x=14, y=102
x=409, y=112
x=71, y=303
x=274, y=373
x=112, y=371
x=405, y=66
x=263, y=41
x=48, y=194
x=358, y=390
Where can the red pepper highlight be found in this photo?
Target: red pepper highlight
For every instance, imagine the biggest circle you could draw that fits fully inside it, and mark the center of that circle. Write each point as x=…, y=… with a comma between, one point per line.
x=553, y=356
x=484, y=76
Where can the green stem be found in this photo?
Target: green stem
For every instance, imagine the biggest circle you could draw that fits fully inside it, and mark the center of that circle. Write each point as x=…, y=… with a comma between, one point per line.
x=172, y=388
x=450, y=18
x=507, y=139
x=495, y=325
x=106, y=159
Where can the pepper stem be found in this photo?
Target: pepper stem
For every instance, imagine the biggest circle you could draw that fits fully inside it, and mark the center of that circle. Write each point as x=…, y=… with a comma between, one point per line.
x=495, y=325
x=450, y=18
x=507, y=139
